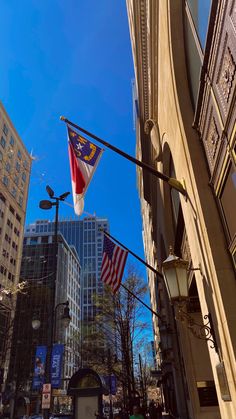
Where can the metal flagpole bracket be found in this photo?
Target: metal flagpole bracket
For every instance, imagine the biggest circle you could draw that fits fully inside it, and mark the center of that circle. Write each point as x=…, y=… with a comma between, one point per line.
x=179, y=185
x=174, y=183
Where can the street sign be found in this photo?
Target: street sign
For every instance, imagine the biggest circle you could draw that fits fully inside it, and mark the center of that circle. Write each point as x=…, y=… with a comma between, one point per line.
x=46, y=400
x=59, y=392
x=47, y=388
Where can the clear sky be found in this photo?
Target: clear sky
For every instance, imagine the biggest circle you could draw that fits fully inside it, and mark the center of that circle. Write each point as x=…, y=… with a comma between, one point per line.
x=73, y=58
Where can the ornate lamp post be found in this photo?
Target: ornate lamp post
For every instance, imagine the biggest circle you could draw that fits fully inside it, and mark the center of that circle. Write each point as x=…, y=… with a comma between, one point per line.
x=175, y=272
x=175, y=277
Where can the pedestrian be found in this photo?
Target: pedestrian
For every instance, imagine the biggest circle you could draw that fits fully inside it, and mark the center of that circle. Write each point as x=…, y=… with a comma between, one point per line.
x=123, y=414
x=152, y=410
x=136, y=413
x=159, y=411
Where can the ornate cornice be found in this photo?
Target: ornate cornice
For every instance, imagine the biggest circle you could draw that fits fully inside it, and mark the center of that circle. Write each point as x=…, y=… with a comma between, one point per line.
x=138, y=18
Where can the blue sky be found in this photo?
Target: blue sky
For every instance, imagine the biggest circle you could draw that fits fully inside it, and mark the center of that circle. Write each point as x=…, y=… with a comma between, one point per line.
x=73, y=58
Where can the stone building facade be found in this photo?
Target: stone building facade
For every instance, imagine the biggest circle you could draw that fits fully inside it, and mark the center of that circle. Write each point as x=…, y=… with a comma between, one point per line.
x=185, y=70
x=15, y=165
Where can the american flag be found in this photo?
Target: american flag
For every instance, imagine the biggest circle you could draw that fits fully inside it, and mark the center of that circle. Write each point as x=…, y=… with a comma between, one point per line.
x=113, y=263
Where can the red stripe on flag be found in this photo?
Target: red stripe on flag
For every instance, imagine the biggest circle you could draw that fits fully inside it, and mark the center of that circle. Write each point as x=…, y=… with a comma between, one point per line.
x=112, y=270
x=76, y=174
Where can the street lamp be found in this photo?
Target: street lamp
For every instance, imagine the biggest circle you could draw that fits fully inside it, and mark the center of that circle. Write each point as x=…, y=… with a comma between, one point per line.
x=46, y=205
x=175, y=277
x=175, y=272
x=65, y=317
x=36, y=323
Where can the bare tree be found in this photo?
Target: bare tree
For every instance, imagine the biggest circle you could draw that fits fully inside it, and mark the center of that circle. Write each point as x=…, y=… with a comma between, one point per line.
x=119, y=326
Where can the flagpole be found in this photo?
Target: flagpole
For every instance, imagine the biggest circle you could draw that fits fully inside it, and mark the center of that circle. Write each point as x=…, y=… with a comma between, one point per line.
x=141, y=301
x=134, y=254
x=174, y=183
x=141, y=260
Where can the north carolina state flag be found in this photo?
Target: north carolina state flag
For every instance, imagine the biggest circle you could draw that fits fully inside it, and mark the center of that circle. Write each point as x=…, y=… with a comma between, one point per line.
x=84, y=157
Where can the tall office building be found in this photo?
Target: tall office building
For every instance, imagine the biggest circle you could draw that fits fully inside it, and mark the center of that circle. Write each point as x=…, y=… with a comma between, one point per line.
x=15, y=164
x=36, y=303
x=87, y=238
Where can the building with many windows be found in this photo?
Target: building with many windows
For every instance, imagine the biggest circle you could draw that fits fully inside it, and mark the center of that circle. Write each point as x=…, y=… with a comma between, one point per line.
x=15, y=164
x=185, y=77
x=36, y=303
x=87, y=238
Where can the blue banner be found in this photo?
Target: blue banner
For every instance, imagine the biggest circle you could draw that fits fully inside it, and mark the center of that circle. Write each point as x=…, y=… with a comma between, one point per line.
x=39, y=367
x=56, y=365
x=111, y=384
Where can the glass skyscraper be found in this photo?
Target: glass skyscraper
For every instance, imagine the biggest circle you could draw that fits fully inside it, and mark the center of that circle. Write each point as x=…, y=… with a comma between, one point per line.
x=87, y=238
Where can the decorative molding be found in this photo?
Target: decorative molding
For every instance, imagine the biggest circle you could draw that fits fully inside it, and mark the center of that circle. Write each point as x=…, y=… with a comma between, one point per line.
x=144, y=55
x=227, y=74
x=212, y=140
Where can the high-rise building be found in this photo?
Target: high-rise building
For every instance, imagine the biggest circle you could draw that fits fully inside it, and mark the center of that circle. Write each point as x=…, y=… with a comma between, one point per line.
x=38, y=269
x=185, y=76
x=87, y=237
x=15, y=164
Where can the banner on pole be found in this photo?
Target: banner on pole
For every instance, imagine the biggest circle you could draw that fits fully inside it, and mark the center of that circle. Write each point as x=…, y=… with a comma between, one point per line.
x=111, y=384
x=56, y=365
x=39, y=367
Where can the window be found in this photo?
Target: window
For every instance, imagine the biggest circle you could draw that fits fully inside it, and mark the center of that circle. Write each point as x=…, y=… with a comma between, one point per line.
x=3, y=142
x=2, y=197
x=7, y=238
x=1, y=156
x=16, y=180
x=25, y=164
x=8, y=167
x=13, y=192
x=20, y=201
x=17, y=166
x=12, y=141
x=10, y=153
x=200, y=11
x=5, y=254
x=16, y=231
x=18, y=218
x=228, y=201
x=19, y=155
x=12, y=210
x=3, y=270
x=5, y=129
x=5, y=180
x=9, y=223
x=196, y=18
